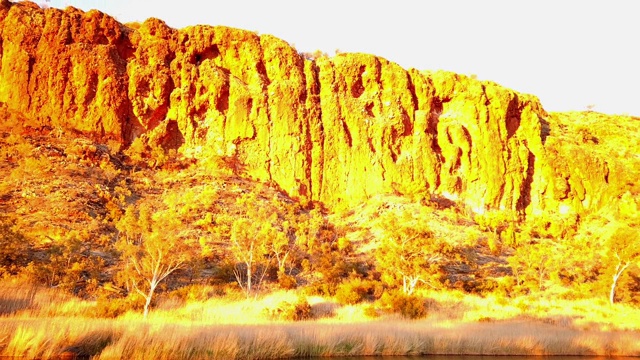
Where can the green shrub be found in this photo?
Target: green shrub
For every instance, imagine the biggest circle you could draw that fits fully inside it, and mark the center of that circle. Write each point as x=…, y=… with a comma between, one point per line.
x=352, y=291
x=376, y=289
x=409, y=306
x=112, y=307
x=286, y=282
x=14, y=248
x=197, y=292
x=322, y=289
x=300, y=310
x=371, y=311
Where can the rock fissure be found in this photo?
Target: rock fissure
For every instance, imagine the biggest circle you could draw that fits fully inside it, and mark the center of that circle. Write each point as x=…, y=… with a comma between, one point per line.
x=30, y=82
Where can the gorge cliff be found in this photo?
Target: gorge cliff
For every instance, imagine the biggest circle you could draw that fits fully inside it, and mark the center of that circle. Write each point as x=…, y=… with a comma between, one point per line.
x=332, y=129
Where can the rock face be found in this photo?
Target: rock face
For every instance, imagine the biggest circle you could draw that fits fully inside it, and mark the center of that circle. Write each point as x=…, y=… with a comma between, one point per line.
x=336, y=130
x=65, y=68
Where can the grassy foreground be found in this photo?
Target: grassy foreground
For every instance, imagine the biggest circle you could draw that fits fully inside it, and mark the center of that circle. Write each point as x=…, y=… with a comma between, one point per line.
x=52, y=324
x=127, y=339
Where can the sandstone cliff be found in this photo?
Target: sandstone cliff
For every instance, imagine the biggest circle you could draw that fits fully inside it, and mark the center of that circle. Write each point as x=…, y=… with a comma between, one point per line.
x=335, y=130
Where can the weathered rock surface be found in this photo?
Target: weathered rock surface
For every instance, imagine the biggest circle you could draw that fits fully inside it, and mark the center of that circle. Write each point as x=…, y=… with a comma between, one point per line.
x=336, y=130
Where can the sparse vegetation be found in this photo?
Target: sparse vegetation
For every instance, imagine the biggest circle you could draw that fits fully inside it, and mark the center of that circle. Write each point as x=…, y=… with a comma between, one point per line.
x=96, y=238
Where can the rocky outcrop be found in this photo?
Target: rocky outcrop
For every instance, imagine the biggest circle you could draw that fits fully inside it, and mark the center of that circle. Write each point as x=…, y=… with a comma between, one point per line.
x=65, y=68
x=336, y=130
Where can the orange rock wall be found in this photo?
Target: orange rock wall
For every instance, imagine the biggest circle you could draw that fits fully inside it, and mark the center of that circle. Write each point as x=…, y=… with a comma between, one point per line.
x=336, y=130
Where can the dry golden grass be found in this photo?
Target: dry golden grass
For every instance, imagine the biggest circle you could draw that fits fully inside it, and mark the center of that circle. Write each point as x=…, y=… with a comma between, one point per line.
x=25, y=300
x=245, y=329
x=136, y=339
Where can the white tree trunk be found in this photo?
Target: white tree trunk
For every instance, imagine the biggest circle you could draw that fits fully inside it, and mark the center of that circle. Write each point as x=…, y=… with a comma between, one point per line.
x=249, y=276
x=409, y=284
x=148, y=298
x=616, y=276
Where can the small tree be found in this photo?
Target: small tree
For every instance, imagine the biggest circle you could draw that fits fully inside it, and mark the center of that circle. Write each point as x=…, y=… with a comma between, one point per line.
x=532, y=264
x=623, y=251
x=67, y=263
x=324, y=254
x=151, y=248
x=250, y=248
x=256, y=237
x=281, y=247
x=408, y=252
x=13, y=248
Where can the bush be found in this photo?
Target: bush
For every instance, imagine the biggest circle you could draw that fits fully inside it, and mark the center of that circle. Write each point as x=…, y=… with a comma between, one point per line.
x=286, y=282
x=300, y=310
x=349, y=293
x=353, y=291
x=322, y=289
x=370, y=311
x=14, y=248
x=197, y=292
x=112, y=307
x=409, y=306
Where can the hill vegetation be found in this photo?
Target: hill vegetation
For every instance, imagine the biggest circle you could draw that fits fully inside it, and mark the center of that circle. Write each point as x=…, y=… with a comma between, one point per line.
x=76, y=211
x=119, y=232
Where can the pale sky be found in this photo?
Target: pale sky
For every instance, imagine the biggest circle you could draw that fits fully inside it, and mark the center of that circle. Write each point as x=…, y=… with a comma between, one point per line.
x=569, y=53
